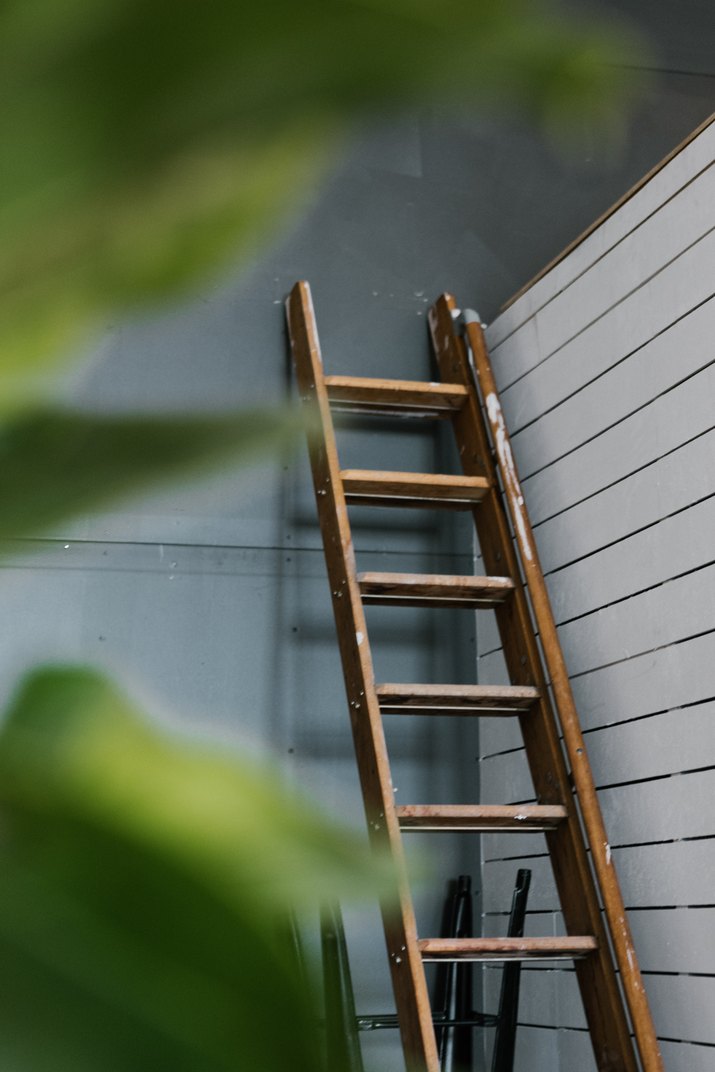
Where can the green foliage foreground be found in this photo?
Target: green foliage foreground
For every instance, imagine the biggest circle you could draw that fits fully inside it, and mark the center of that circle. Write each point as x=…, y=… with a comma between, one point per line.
x=145, y=890
x=145, y=886
x=143, y=143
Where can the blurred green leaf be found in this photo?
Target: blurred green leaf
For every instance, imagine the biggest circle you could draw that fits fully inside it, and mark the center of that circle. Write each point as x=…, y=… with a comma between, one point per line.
x=142, y=890
x=144, y=143
x=55, y=464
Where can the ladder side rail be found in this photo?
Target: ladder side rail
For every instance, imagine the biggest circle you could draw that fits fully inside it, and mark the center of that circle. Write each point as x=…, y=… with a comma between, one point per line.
x=406, y=966
x=603, y=1004
x=565, y=705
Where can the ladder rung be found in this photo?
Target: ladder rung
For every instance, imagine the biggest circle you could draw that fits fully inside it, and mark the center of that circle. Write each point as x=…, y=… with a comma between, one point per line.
x=500, y=949
x=455, y=699
x=433, y=589
x=400, y=398
x=367, y=487
x=481, y=817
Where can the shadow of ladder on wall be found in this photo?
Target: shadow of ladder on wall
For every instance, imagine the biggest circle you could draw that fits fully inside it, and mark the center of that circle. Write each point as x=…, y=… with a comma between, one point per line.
x=567, y=812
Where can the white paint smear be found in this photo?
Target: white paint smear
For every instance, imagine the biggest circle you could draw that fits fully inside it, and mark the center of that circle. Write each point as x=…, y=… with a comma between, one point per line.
x=506, y=460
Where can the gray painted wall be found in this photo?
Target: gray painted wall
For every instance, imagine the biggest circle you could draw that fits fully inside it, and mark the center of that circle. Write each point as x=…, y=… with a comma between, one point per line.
x=210, y=598
x=607, y=375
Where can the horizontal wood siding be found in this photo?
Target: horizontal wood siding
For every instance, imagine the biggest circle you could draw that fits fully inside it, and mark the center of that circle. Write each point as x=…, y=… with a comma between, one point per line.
x=607, y=372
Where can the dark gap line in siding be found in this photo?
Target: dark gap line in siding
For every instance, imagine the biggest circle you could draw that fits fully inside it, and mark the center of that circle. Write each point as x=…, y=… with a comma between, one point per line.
x=626, y=783
x=662, y=70
x=667, y=908
x=504, y=752
x=671, y=908
x=625, y=845
x=651, y=714
x=552, y=1027
x=663, y=841
x=491, y=651
x=517, y=856
x=609, y=309
x=611, y=726
x=689, y=975
x=637, y=654
x=638, y=592
x=613, y=424
x=626, y=476
x=635, y=532
x=687, y=1042
x=602, y=256
x=584, y=1031
x=604, y=372
x=633, y=908
x=657, y=777
x=532, y=914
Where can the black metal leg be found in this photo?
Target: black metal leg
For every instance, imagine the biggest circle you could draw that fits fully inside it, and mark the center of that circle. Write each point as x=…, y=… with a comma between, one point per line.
x=453, y=998
x=505, y=1038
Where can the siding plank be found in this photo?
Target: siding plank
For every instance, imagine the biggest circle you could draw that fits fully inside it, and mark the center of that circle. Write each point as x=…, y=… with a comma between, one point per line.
x=677, y=874
x=664, y=809
x=668, y=940
x=656, y=243
x=673, y=293
x=669, y=484
x=680, y=1003
x=608, y=381
x=675, y=939
x=654, y=619
x=656, y=681
x=633, y=444
x=641, y=561
x=668, y=743
x=614, y=396
x=673, y=741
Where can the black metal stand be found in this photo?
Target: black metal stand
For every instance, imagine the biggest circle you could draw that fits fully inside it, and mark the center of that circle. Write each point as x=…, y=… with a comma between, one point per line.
x=454, y=1016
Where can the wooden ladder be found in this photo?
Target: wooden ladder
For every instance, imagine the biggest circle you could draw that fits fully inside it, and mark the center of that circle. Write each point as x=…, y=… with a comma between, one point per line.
x=567, y=812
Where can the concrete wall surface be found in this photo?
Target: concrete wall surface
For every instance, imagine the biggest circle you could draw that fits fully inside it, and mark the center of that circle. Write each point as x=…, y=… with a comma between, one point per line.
x=209, y=598
x=607, y=375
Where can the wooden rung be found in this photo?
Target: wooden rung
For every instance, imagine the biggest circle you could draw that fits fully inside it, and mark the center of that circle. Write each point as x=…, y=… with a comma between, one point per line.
x=367, y=487
x=455, y=699
x=401, y=398
x=500, y=949
x=527, y=818
x=433, y=589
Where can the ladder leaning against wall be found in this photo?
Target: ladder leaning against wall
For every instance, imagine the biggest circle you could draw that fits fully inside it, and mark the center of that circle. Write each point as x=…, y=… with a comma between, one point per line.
x=598, y=942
